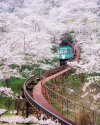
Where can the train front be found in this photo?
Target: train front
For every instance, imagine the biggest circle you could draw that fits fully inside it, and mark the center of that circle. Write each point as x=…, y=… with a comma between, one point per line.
x=66, y=53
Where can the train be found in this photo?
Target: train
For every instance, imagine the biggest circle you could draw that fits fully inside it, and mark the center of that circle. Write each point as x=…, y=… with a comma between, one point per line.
x=66, y=53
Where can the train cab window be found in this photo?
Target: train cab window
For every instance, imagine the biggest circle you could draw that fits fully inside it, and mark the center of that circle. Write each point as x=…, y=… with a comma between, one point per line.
x=65, y=51
x=70, y=51
x=61, y=51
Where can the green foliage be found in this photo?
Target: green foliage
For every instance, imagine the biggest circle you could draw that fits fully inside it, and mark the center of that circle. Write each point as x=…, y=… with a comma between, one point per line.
x=94, y=74
x=28, y=67
x=7, y=103
x=54, y=49
x=14, y=66
x=17, y=84
x=44, y=61
x=67, y=37
x=38, y=71
x=49, y=61
x=14, y=83
x=76, y=81
x=55, y=59
x=1, y=64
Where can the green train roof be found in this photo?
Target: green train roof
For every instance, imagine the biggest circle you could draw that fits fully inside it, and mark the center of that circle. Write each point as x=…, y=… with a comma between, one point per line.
x=65, y=47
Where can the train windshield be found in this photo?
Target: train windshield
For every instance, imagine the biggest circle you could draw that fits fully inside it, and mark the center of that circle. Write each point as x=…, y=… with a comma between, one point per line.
x=70, y=51
x=61, y=51
x=64, y=51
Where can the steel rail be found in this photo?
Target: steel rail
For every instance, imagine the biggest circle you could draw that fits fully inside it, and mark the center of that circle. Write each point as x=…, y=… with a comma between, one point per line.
x=32, y=101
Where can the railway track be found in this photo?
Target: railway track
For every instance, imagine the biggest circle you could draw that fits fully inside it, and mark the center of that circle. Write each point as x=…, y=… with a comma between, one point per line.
x=36, y=96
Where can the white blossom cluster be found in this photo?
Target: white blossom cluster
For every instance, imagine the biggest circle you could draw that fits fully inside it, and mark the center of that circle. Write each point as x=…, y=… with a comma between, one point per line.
x=30, y=119
x=92, y=94
x=27, y=28
x=6, y=72
x=80, y=67
x=96, y=97
x=13, y=112
x=6, y=92
x=2, y=111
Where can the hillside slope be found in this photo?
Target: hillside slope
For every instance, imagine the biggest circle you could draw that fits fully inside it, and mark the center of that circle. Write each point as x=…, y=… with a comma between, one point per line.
x=28, y=27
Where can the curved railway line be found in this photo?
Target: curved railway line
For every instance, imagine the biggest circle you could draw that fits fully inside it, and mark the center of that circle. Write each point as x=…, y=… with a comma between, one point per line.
x=39, y=95
x=38, y=100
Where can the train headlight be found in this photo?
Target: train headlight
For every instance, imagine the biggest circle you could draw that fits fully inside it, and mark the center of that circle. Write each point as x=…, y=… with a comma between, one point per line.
x=63, y=56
